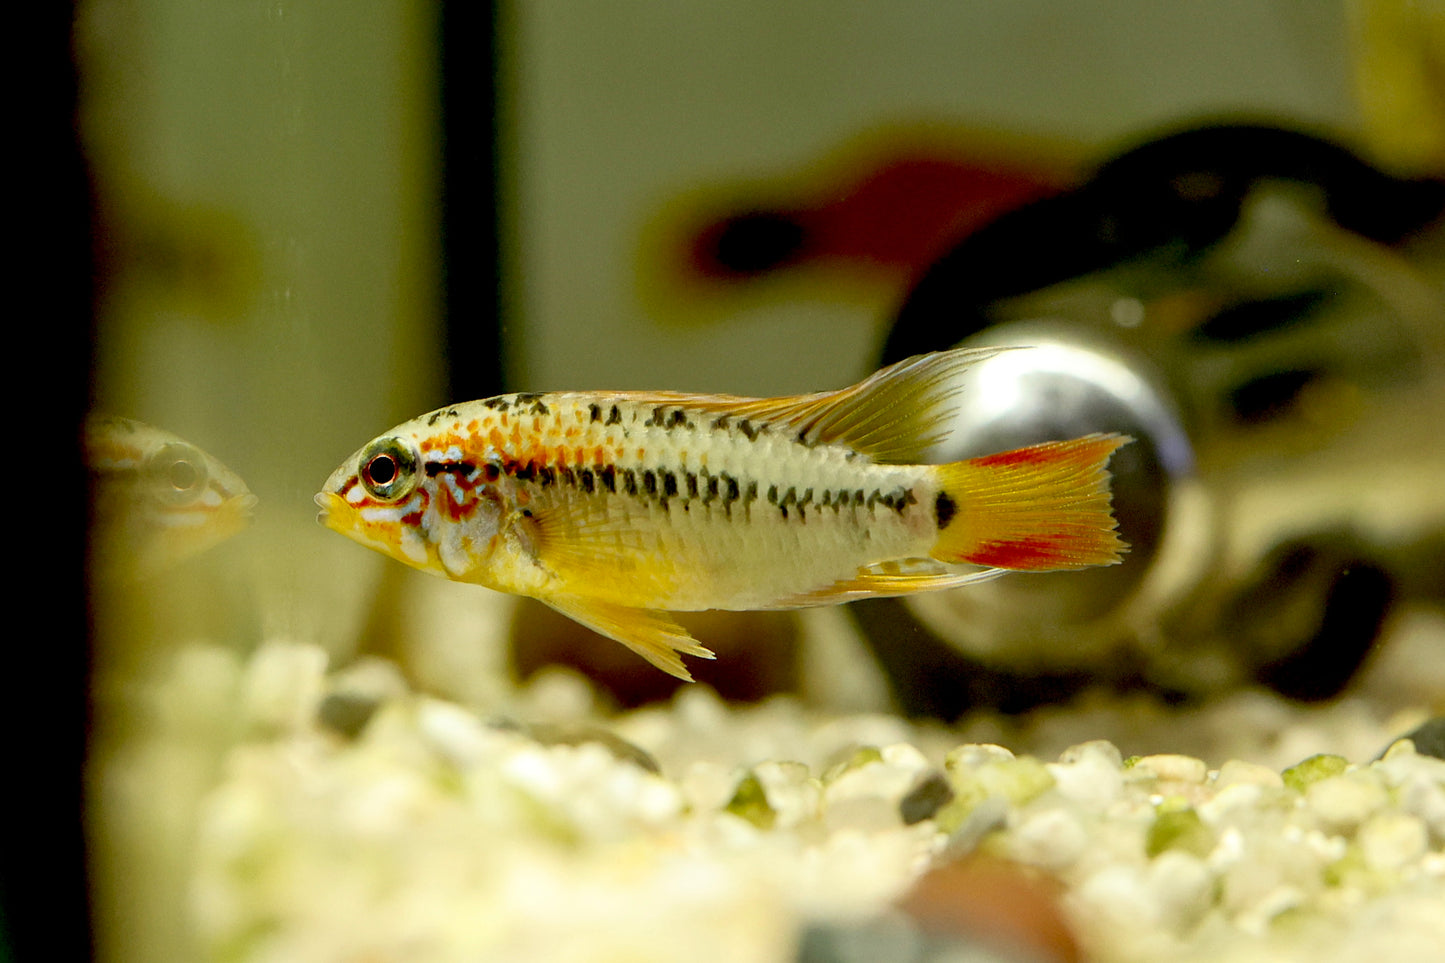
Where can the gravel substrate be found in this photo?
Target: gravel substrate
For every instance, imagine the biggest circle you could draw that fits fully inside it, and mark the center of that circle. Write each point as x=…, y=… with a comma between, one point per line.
x=356, y=820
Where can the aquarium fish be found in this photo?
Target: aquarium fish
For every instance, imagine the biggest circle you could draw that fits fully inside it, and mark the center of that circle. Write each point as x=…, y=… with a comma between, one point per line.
x=615, y=508
x=157, y=499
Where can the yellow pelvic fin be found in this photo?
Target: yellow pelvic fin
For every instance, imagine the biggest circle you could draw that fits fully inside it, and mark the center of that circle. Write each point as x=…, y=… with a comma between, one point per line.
x=894, y=415
x=653, y=635
x=1041, y=508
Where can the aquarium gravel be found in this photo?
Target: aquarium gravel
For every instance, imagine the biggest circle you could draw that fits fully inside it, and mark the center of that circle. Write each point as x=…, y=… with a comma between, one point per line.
x=355, y=819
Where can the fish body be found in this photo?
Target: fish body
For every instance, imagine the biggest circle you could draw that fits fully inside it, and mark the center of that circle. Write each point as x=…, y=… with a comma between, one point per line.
x=157, y=499
x=618, y=507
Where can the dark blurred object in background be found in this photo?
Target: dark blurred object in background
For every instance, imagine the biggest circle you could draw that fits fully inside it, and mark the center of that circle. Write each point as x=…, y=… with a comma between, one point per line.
x=1237, y=298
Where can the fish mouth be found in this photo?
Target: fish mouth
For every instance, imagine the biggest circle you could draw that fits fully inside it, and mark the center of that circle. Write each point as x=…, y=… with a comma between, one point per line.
x=333, y=510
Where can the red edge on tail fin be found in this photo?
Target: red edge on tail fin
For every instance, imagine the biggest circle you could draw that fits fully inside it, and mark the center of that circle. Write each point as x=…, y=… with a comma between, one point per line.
x=1040, y=508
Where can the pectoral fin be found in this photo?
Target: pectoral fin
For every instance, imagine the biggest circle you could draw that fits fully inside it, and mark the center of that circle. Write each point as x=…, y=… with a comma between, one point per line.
x=652, y=635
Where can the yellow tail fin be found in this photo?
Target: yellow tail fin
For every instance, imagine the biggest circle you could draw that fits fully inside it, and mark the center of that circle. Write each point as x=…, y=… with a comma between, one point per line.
x=1038, y=509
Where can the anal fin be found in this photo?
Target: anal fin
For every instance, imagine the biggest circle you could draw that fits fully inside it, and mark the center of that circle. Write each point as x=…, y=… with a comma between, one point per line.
x=654, y=635
x=890, y=579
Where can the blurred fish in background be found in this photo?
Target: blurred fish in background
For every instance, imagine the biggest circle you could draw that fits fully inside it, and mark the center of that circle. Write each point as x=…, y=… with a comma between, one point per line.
x=156, y=499
x=858, y=223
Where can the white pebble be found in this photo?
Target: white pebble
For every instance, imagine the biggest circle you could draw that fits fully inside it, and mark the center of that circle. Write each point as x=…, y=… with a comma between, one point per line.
x=1391, y=840
x=1343, y=802
x=1052, y=839
x=1172, y=768
x=1090, y=774
x=792, y=792
x=1184, y=887
x=1237, y=772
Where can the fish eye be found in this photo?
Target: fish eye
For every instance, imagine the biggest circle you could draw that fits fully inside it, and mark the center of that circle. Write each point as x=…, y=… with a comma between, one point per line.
x=179, y=473
x=388, y=469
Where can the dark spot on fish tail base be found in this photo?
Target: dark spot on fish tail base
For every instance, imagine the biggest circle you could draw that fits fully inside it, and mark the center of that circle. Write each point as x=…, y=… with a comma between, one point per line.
x=568, y=478
x=746, y=427
x=629, y=481
x=721, y=422
x=649, y=482
x=588, y=482
x=499, y=403
x=608, y=475
x=594, y=412
x=944, y=508
x=690, y=479
x=545, y=476
x=614, y=416
x=669, y=483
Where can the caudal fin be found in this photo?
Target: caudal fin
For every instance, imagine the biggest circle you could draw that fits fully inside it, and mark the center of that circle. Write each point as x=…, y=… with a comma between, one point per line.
x=1040, y=508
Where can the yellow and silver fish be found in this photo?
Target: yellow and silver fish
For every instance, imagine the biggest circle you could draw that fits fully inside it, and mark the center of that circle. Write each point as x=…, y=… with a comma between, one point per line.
x=157, y=498
x=617, y=507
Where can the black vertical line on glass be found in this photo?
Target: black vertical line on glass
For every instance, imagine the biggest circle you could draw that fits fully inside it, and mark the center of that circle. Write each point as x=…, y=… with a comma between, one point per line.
x=470, y=132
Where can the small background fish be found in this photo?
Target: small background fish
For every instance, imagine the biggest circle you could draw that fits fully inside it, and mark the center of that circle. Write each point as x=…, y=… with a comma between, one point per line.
x=157, y=499
x=617, y=507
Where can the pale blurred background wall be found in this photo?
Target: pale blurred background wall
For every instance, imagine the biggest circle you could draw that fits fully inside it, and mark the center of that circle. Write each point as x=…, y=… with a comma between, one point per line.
x=271, y=215
x=617, y=106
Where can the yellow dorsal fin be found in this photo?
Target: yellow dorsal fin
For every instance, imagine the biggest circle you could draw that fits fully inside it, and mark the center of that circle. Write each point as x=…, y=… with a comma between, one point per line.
x=893, y=416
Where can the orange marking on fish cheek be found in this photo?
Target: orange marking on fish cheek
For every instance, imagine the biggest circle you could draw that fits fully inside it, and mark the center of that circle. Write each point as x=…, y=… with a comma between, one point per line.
x=472, y=427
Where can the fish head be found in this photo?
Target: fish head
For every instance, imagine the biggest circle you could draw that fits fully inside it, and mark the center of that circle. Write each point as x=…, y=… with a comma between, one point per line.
x=158, y=499
x=420, y=497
